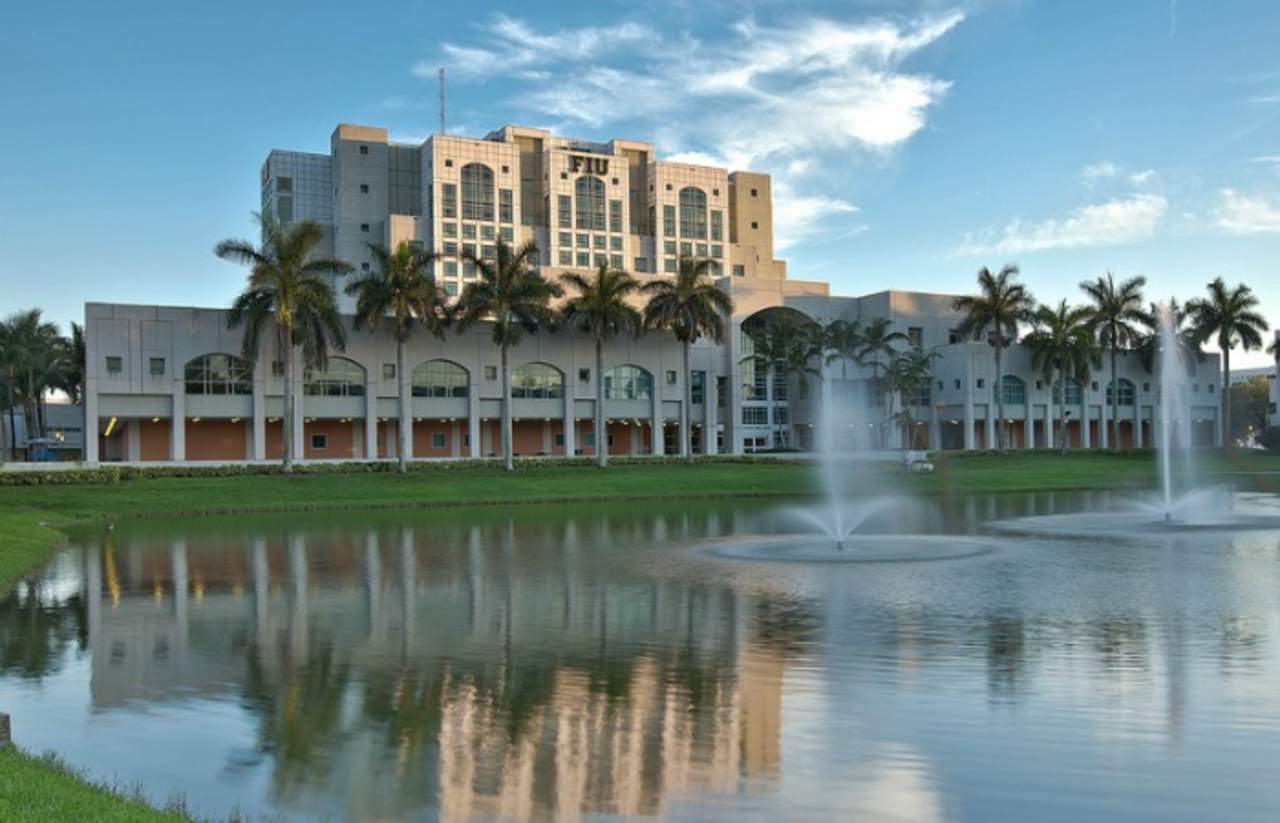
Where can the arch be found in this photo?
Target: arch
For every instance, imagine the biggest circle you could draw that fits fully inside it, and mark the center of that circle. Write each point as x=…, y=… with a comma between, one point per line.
x=628, y=382
x=218, y=373
x=477, y=192
x=537, y=381
x=1015, y=389
x=693, y=213
x=1074, y=392
x=1126, y=395
x=341, y=377
x=439, y=378
x=589, y=196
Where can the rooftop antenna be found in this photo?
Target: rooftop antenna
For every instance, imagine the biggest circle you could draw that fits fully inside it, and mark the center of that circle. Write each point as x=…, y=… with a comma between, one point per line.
x=440, y=79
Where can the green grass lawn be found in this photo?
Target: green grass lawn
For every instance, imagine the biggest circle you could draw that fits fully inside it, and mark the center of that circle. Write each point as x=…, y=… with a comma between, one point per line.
x=35, y=789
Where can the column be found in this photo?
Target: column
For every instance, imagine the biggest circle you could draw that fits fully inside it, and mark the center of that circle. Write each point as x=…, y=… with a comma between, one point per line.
x=935, y=428
x=178, y=423
x=473, y=415
x=259, y=422
x=133, y=440
x=991, y=426
x=1217, y=426
x=709, y=401
x=569, y=426
x=404, y=439
x=1104, y=425
x=299, y=406
x=455, y=438
x=373, y=585
x=655, y=421
x=370, y=418
x=1029, y=426
x=1086, y=439
x=969, y=433
x=733, y=390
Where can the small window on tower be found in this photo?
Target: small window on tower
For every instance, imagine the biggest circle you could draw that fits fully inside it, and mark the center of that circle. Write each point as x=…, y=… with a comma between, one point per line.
x=754, y=193
x=115, y=365
x=364, y=188
x=490, y=372
x=584, y=375
x=364, y=149
x=157, y=366
x=364, y=227
x=755, y=225
x=388, y=371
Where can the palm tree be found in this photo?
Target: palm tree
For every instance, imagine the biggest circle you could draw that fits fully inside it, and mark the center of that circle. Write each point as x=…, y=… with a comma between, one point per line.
x=1116, y=310
x=9, y=359
x=1229, y=317
x=1000, y=305
x=843, y=340
x=878, y=340
x=512, y=294
x=600, y=308
x=288, y=285
x=906, y=377
x=34, y=344
x=1149, y=342
x=691, y=306
x=787, y=345
x=1063, y=345
x=404, y=289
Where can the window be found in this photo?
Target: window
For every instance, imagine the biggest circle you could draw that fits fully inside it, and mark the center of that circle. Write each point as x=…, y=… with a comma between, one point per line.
x=615, y=261
x=486, y=232
x=954, y=336
x=364, y=149
x=506, y=169
x=957, y=384
x=717, y=225
x=559, y=439
x=583, y=241
x=615, y=243
x=319, y=442
x=451, y=289
x=284, y=184
x=219, y=374
x=755, y=416
x=588, y=438
x=697, y=387
x=600, y=260
x=448, y=200
x=565, y=211
x=693, y=213
x=1146, y=387
x=537, y=381
x=628, y=383
x=1125, y=396
x=449, y=229
x=739, y=270
x=448, y=163
x=584, y=260
x=915, y=336
x=642, y=264
x=668, y=247
x=451, y=249
x=505, y=209
x=686, y=248
x=755, y=225
x=668, y=221
x=1074, y=392
x=364, y=266
x=669, y=265
x=1093, y=386
x=1015, y=390
x=340, y=378
x=1039, y=386
x=490, y=372
x=468, y=231
x=754, y=193
x=981, y=383
x=615, y=215
x=157, y=366
x=584, y=375
x=589, y=200
x=364, y=227
x=1210, y=388
x=671, y=377
x=566, y=258
x=451, y=266
x=438, y=440
x=601, y=241
x=477, y=192
x=717, y=251
x=487, y=252
x=277, y=368
x=566, y=239
x=388, y=371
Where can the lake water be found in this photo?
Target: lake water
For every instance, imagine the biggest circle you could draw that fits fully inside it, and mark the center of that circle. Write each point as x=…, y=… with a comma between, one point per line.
x=592, y=662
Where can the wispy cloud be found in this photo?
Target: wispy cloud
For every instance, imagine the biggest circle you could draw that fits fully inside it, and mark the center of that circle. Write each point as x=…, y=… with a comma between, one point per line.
x=763, y=96
x=1122, y=220
x=1240, y=213
x=1142, y=178
x=1094, y=172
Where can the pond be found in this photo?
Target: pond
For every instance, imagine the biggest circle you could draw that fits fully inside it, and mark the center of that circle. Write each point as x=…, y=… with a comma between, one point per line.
x=601, y=661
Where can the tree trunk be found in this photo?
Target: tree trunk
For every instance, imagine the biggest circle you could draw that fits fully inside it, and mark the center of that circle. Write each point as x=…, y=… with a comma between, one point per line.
x=1115, y=397
x=686, y=450
x=286, y=427
x=508, y=452
x=999, y=391
x=602, y=440
x=402, y=453
x=1225, y=388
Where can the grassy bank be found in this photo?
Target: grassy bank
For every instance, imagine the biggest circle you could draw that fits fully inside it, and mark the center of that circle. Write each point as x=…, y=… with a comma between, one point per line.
x=31, y=518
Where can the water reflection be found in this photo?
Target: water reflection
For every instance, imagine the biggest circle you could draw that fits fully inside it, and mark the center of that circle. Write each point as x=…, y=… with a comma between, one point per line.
x=554, y=664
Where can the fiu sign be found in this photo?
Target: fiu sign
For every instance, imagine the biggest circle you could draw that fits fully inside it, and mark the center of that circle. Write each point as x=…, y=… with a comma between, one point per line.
x=589, y=165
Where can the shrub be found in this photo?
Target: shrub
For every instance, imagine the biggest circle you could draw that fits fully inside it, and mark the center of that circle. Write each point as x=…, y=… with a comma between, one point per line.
x=1269, y=439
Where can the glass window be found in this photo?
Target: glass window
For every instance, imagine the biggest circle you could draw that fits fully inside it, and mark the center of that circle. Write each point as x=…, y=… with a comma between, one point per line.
x=1015, y=390
x=717, y=251
x=686, y=248
x=601, y=241
x=739, y=270
x=487, y=252
x=642, y=264
x=319, y=442
x=566, y=239
x=669, y=265
x=1125, y=397
x=157, y=366
x=450, y=248
x=584, y=259
x=448, y=200
x=218, y=374
x=668, y=221
x=615, y=243
x=439, y=378
x=915, y=336
x=615, y=261
x=451, y=289
x=388, y=371
x=717, y=225
x=615, y=215
x=505, y=208
x=601, y=260
x=697, y=387
x=668, y=247
x=490, y=372
x=1075, y=393
x=589, y=196
x=340, y=378
x=477, y=192
x=469, y=231
x=449, y=229
x=693, y=213
x=438, y=440
x=566, y=258
x=755, y=416
x=507, y=234
x=451, y=268
x=486, y=232
x=537, y=381
x=702, y=249
x=628, y=383
x=565, y=211
x=584, y=241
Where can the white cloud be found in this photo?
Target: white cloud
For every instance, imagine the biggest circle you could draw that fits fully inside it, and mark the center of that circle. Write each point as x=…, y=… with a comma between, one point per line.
x=1122, y=220
x=1142, y=178
x=798, y=217
x=1240, y=213
x=1099, y=171
x=767, y=97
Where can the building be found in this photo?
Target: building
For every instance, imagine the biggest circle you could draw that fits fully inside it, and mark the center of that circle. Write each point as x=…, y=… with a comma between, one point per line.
x=63, y=438
x=165, y=383
x=1274, y=411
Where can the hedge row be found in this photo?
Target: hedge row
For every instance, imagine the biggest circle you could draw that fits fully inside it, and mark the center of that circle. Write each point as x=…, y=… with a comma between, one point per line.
x=107, y=475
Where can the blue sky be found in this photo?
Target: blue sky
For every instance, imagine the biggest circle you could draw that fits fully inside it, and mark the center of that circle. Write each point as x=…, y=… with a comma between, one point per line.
x=910, y=142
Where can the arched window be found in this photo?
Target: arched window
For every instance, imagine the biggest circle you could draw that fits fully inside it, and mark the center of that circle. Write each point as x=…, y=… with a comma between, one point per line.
x=589, y=194
x=693, y=213
x=340, y=378
x=537, y=381
x=1075, y=393
x=477, y=192
x=628, y=383
x=439, y=378
x=1126, y=393
x=219, y=374
x=755, y=378
x=1015, y=391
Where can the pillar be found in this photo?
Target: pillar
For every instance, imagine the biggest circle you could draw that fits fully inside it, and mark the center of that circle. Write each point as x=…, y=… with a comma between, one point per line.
x=1086, y=440
x=1104, y=425
x=709, y=401
x=733, y=388
x=935, y=428
x=569, y=426
x=473, y=416
x=133, y=440
x=178, y=423
x=1029, y=426
x=299, y=405
x=90, y=426
x=370, y=418
x=991, y=427
x=655, y=421
x=404, y=439
x=969, y=422
x=259, y=412
x=455, y=438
